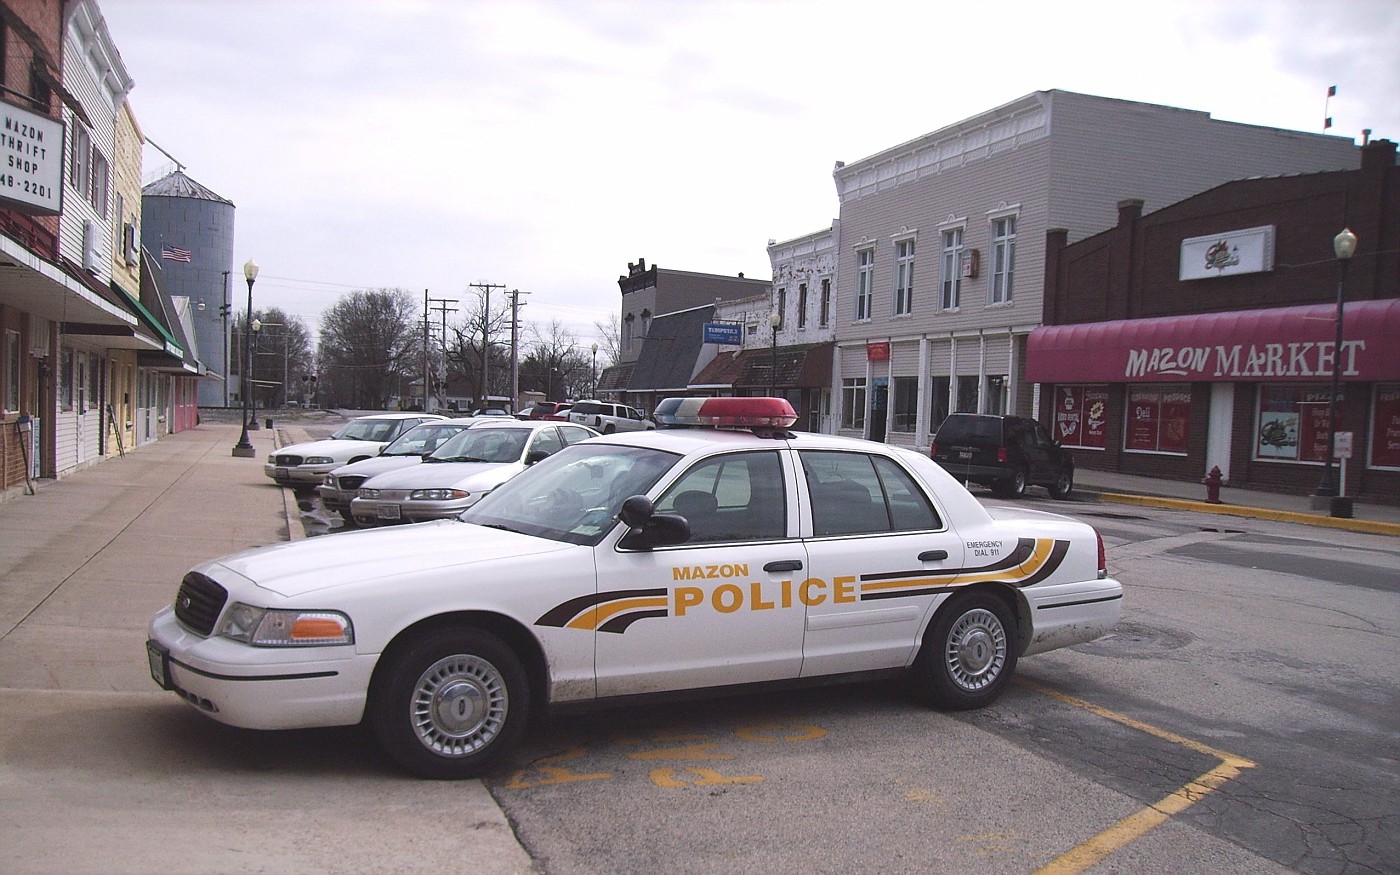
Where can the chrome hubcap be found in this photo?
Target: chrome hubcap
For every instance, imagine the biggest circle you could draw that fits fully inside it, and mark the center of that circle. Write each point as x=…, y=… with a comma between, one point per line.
x=459, y=705
x=976, y=649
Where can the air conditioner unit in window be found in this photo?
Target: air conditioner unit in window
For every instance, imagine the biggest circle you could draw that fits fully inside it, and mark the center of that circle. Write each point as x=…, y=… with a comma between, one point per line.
x=94, y=252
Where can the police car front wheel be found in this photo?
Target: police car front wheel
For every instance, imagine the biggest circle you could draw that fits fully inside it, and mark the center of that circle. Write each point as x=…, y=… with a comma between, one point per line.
x=967, y=656
x=449, y=704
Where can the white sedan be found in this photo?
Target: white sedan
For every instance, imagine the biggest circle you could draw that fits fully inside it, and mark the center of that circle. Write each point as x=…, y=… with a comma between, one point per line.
x=457, y=474
x=648, y=562
x=407, y=450
x=305, y=466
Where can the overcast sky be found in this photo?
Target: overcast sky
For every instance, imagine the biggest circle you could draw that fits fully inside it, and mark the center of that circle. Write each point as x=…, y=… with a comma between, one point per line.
x=543, y=146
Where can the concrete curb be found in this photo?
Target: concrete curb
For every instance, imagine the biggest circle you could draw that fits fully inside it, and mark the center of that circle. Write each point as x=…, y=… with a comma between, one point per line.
x=1353, y=525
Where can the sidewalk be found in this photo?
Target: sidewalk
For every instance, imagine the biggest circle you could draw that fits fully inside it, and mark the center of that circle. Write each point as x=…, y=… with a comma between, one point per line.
x=88, y=739
x=1372, y=518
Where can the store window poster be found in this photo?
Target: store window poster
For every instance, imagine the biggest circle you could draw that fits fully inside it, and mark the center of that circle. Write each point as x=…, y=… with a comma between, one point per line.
x=1292, y=423
x=1385, y=436
x=1159, y=419
x=1080, y=416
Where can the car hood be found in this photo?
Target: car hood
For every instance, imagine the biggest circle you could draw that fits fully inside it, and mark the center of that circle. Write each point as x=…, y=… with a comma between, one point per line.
x=377, y=465
x=441, y=475
x=300, y=567
x=330, y=448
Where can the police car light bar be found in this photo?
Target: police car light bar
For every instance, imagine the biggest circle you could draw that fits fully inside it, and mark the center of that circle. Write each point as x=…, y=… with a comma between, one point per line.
x=725, y=412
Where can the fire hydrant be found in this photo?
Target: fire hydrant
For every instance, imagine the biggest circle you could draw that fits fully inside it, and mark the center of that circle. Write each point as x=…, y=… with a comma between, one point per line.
x=1212, y=482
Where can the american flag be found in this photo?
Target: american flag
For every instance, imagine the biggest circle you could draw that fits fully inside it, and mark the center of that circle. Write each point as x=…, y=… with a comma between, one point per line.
x=174, y=253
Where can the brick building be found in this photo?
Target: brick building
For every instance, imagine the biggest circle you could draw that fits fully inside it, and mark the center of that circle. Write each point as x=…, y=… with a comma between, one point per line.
x=1204, y=334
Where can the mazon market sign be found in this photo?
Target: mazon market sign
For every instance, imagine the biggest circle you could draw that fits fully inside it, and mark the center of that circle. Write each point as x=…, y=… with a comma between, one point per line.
x=1287, y=343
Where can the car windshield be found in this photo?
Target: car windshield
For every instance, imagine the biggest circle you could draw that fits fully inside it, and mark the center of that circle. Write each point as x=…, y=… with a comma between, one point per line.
x=366, y=430
x=423, y=439
x=574, y=495
x=485, y=444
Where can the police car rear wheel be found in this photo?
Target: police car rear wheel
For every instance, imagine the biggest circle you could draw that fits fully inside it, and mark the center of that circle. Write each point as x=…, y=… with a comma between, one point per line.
x=967, y=657
x=450, y=704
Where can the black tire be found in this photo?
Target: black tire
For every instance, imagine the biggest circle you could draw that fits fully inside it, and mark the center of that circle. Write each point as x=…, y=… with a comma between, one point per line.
x=1014, y=486
x=1063, y=485
x=450, y=704
x=968, y=654
x=609, y=428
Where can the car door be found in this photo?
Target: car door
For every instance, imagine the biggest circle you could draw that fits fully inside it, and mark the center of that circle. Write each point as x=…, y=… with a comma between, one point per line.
x=719, y=609
x=881, y=557
x=1040, y=452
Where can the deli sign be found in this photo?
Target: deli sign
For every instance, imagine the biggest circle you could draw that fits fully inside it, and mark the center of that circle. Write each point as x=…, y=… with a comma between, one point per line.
x=1282, y=344
x=1249, y=250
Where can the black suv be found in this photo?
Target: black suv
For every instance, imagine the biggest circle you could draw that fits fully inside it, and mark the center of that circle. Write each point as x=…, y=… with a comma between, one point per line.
x=1005, y=453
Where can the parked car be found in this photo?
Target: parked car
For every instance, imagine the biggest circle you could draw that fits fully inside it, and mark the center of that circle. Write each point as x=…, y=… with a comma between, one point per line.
x=673, y=560
x=409, y=448
x=543, y=410
x=1004, y=453
x=491, y=411
x=457, y=474
x=607, y=417
x=305, y=466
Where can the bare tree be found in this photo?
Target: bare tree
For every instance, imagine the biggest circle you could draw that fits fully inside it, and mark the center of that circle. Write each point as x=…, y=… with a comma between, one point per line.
x=370, y=344
x=610, y=346
x=465, y=355
x=554, y=364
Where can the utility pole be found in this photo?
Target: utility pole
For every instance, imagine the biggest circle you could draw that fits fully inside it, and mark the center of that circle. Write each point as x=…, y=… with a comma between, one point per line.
x=485, y=289
x=515, y=349
x=444, y=310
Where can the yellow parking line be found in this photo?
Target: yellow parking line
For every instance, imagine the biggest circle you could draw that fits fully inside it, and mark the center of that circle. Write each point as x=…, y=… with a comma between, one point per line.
x=1129, y=829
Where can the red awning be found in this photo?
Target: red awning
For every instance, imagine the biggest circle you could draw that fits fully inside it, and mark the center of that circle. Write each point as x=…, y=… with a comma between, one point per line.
x=1282, y=344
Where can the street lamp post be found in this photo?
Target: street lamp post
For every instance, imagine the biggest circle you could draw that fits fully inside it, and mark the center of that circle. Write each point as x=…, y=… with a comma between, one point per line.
x=775, y=320
x=1343, y=245
x=593, y=374
x=244, y=447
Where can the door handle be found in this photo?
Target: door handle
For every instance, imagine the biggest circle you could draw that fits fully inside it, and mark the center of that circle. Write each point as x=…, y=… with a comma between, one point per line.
x=784, y=565
x=933, y=555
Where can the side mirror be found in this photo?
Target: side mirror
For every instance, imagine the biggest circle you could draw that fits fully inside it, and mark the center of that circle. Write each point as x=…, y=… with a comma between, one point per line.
x=536, y=456
x=648, y=529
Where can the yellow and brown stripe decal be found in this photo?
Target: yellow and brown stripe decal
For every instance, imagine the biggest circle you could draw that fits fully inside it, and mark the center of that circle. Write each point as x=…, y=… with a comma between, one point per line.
x=608, y=611
x=1033, y=560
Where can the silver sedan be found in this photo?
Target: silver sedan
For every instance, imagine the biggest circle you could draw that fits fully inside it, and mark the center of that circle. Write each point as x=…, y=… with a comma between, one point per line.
x=461, y=471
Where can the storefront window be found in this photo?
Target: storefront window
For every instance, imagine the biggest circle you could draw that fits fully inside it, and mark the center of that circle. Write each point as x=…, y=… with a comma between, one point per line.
x=853, y=402
x=65, y=380
x=906, y=403
x=967, y=394
x=12, y=368
x=1159, y=419
x=1081, y=416
x=1292, y=423
x=1385, y=427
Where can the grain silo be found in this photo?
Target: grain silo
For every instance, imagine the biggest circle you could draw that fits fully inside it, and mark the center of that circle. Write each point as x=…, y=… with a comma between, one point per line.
x=188, y=232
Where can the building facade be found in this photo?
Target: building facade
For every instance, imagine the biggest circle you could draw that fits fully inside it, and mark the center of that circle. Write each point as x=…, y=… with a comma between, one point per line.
x=649, y=292
x=93, y=358
x=1204, y=335
x=942, y=241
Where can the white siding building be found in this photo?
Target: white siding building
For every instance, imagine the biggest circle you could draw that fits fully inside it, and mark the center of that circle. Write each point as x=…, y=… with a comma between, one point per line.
x=941, y=246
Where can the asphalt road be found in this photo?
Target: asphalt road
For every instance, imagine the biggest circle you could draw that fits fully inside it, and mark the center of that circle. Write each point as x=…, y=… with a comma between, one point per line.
x=1242, y=718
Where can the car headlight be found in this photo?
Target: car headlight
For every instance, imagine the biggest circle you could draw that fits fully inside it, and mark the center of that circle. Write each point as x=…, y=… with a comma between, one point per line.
x=437, y=494
x=367, y=493
x=319, y=460
x=329, y=481
x=264, y=627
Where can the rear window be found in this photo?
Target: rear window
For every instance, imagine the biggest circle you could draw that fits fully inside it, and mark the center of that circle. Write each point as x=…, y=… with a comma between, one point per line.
x=964, y=428
x=591, y=407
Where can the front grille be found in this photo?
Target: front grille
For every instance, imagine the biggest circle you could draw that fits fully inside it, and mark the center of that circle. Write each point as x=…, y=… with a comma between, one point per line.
x=349, y=484
x=287, y=461
x=198, y=603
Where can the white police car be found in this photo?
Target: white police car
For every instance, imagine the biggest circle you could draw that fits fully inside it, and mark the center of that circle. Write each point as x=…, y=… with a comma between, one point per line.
x=677, y=559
